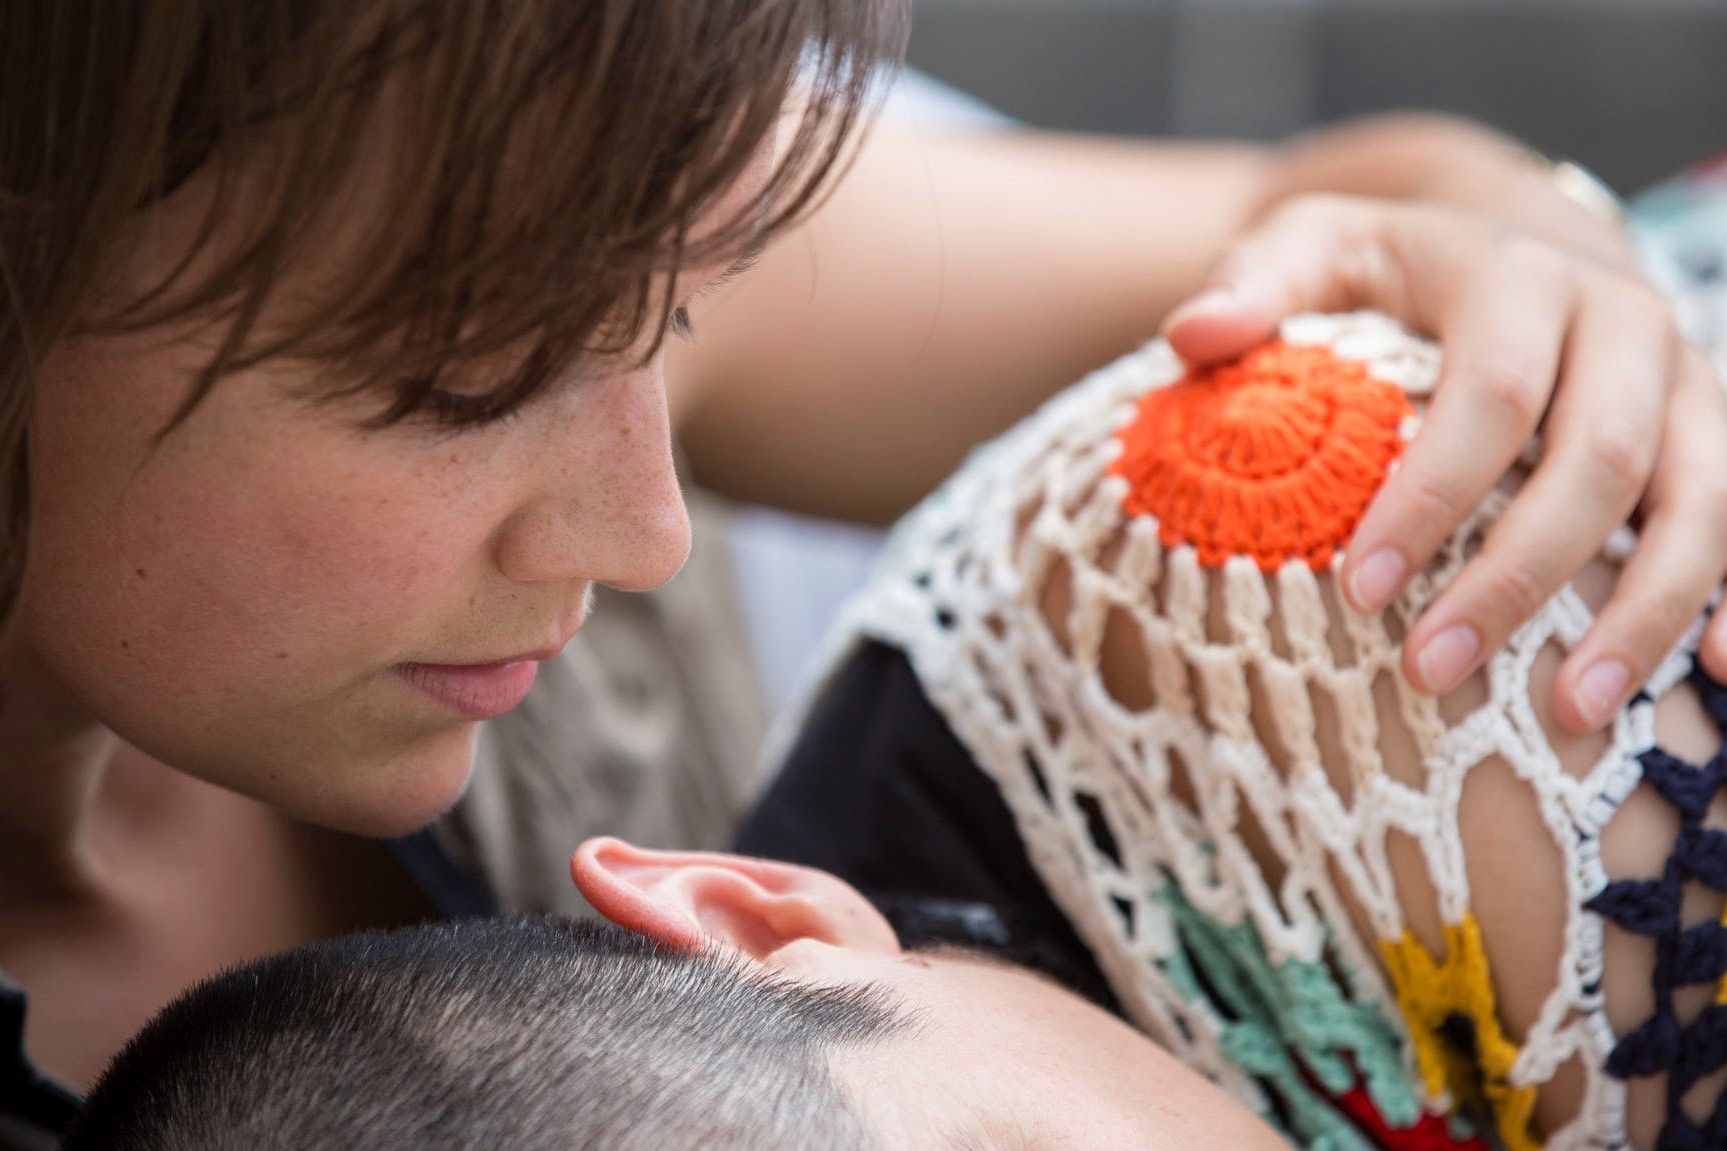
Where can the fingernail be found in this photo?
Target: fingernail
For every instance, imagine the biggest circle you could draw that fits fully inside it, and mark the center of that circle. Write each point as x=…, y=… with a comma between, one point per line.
x=1600, y=690
x=1448, y=657
x=1377, y=579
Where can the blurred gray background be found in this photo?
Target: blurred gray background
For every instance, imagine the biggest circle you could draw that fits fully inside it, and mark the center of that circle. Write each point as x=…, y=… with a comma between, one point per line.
x=1634, y=89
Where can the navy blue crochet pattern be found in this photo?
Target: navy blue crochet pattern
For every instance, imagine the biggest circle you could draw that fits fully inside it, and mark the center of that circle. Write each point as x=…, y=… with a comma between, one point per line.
x=1683, y=956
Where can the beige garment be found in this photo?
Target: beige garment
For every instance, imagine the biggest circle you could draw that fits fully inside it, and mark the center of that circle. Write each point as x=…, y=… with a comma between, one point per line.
x=647, y=726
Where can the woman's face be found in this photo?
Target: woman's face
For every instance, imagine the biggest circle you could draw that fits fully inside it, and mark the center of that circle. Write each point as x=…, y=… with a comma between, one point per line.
x=317, y=615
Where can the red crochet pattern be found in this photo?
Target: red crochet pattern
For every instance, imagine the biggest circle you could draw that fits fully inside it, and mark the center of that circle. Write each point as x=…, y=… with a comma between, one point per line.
x=1430, y=1133
x=1273, y=456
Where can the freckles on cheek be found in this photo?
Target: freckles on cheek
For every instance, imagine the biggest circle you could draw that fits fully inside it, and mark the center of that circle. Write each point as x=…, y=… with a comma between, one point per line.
x=372, y=544
x=302, y=554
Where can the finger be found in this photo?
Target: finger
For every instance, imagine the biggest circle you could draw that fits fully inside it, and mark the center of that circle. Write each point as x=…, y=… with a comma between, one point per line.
x=1602, y=442
x=1677, y=566
x=1504, y=332
x=1664, y=588
x=1320, y=253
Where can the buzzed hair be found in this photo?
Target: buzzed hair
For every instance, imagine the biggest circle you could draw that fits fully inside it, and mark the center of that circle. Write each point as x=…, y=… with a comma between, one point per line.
x=524, y=1034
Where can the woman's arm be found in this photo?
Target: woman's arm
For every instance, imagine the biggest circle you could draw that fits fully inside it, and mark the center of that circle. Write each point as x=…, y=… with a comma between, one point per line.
x=953, y=282
x=947, y=288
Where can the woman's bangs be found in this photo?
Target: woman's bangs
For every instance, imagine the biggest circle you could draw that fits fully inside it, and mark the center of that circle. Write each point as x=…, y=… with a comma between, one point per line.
x=527, y=178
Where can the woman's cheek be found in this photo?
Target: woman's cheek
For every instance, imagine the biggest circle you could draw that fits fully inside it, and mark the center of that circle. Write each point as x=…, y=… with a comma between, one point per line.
x=251, y=572
x=358, y=568
x=232, y=599
x=246, y=633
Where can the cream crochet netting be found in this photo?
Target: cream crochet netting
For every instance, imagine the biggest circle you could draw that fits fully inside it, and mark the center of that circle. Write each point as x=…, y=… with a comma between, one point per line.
x=1137, y=803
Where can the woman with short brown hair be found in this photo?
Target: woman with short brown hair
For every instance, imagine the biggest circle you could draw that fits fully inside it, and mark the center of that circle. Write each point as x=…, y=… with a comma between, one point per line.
x=333, y=377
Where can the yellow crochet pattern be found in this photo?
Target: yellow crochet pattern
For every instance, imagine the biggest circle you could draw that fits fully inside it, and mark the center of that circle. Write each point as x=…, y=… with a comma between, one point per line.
x=1450, y=1005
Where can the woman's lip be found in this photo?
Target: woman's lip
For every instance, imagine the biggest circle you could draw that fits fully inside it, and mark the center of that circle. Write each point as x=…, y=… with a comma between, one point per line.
x=476, y=690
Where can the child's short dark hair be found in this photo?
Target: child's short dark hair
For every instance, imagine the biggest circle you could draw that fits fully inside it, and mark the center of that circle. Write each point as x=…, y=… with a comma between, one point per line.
x=515, y=1035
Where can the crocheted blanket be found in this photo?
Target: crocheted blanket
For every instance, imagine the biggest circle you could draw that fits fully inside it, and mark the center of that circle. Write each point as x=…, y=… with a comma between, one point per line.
x=1126, y=610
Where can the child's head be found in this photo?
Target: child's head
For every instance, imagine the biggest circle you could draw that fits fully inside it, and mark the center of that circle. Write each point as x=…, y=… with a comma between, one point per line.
x=526, y=1035
x=276, y=274
x=749, y=1005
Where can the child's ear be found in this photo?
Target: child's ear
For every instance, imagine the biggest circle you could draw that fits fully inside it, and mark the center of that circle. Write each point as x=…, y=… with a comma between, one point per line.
x=688, y=899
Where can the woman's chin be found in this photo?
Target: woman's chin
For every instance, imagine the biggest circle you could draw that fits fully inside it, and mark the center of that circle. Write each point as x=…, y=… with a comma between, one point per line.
x=391, y=804
x=394, y=817
x=383, y=798
x=363, y=779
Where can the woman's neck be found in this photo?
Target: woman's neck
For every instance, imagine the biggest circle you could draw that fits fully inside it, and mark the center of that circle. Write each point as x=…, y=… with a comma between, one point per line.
x=55, y=760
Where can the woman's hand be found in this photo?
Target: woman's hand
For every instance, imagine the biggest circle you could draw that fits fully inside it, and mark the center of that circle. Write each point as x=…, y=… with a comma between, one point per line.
x=1632, y=417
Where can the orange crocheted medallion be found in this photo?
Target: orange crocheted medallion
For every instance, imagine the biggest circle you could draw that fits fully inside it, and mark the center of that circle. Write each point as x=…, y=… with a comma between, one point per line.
x=1274, y=456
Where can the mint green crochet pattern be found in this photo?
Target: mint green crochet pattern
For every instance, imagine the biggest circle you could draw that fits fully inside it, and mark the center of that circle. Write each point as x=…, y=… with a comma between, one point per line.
x=1287, y=1018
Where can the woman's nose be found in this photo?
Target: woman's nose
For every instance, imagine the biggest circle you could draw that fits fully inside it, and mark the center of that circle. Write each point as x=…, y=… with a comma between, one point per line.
x=605, y=503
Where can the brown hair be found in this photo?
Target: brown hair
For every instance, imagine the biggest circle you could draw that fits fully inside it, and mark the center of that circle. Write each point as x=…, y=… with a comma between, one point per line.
x=532, y=170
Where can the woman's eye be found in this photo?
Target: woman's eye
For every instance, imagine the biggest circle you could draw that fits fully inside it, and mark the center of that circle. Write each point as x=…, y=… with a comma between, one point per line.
x=456, y=411
x=680, y=325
